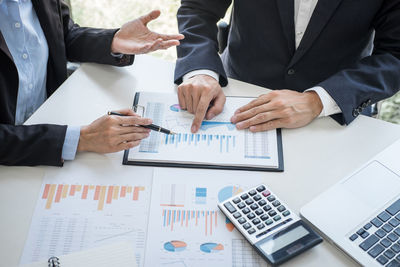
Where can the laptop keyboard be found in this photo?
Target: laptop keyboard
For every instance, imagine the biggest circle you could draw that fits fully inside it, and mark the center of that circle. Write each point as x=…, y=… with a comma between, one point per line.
x=380, y=237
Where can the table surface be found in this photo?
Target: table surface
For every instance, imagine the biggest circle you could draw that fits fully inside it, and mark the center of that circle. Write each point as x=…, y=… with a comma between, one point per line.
x=315, y=156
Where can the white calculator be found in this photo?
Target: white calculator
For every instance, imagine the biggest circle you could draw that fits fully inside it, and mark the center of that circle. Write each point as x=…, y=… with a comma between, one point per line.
x=276, y=232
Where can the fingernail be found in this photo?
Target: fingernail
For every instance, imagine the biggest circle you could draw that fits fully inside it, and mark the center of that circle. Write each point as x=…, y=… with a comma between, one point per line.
x=237, y=111
x=149, y=121
x=239, y=126
x=210, y=116
x=194, y=128
x=233, y=119
x=252, y=129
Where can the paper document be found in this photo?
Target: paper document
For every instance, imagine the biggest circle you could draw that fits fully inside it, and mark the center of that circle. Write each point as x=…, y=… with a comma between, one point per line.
x=217, y=143
x=118, y=254
x=86, y=205
x=185, y=226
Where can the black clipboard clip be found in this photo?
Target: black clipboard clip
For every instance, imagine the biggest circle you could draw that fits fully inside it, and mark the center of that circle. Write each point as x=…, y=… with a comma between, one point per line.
x=54, y=262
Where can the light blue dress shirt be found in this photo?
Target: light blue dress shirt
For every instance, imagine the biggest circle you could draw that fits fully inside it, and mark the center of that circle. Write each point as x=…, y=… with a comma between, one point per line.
x=25, y=39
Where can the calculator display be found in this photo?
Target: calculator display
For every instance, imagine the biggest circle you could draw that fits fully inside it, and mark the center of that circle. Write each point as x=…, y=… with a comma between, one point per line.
x=281, y=241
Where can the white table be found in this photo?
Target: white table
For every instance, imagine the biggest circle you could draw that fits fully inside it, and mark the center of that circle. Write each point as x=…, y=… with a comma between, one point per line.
x=315, y=156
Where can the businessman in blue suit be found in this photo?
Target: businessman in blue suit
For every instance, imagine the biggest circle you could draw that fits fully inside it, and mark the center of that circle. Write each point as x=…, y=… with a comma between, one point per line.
x=323, y=58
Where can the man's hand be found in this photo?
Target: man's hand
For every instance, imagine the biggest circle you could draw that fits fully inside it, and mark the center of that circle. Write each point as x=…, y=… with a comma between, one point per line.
x=135, y=38
x=112, y=133
x=278, y=109
x=203, y=96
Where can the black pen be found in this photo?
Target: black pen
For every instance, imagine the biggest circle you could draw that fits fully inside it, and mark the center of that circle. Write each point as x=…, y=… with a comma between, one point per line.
x=150, y=126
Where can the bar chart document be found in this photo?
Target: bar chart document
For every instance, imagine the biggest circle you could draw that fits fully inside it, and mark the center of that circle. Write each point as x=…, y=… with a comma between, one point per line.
x=185, y=226
x=217, y=144
x=85, y=205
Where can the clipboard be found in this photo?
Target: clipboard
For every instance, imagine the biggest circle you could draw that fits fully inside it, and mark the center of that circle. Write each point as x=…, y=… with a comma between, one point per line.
x=201, y=165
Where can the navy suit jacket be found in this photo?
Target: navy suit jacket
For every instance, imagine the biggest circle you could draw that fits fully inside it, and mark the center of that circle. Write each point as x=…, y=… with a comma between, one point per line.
x=335, y=52
x=42, y=144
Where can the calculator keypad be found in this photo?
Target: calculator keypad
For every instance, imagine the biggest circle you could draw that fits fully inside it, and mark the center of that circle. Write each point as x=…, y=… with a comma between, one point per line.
x=258, y=210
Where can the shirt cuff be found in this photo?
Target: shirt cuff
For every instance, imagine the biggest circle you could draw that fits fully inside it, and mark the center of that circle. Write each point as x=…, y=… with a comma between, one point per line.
x=200, y=72
x=71, y=142
x=117, y=55
x=329, y=106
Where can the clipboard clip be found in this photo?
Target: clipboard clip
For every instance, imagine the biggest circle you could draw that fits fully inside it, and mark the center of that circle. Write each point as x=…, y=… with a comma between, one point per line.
x=54, y=262
x=139, y=109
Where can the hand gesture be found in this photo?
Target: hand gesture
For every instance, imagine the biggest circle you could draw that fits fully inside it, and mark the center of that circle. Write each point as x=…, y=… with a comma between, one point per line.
x=135, y=38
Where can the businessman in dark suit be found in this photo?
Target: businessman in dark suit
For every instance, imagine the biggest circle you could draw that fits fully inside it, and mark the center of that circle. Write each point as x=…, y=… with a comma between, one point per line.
x=316, y=54
x=36, y=39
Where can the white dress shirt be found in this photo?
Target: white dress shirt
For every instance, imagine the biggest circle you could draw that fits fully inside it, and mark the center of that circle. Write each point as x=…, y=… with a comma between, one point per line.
x=303, y=10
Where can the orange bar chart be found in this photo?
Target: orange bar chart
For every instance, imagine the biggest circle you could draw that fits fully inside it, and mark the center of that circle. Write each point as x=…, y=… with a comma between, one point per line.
x=103, y=194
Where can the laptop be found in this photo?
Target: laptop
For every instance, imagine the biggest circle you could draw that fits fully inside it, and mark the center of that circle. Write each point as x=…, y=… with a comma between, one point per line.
x=361, y=213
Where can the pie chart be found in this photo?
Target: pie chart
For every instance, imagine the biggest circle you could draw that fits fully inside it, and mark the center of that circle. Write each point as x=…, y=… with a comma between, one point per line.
x=175, y=246
x=211, y=247
x=224, y=194
x=175, y=108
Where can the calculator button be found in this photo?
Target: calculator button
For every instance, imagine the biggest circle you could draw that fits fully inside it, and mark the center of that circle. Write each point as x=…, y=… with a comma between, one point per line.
x=252, y=192
x=268, y=222
x=272, y=213
x=230, y=207
x=236, y=200
x=246, y=210
x=244, y=196
x=260, y=188
x=256, y=221
x=260, y=226
x=389, y=253
x=246, y=226
x=281, y=208
x=397, y=231
x=241, y=205
x=266, y=193
x=242, y=220
x=251, y=231
x=392, y=237
x=384, y=216
x=387, y=227
x=382, y=259
x=249, y=201
x=254, y=206
x=257, y=197
x=361, y=231
x=267, y=208
x=276, y=203
x=277, y=218
x=394, y=222
x=367, y=226
x=237, y=215
x=365, y=235
x=368, y=243
x=396, y=248
x=393, y=263
x=251, y=216
x=376, y=222
x=386, y=243
x=375, y=251
x=264, y=217
x=380, y=233
x=286, y=213
x=262, y=202
x=271, y=198
x=394, y=208
x=259, y=212
x=353, y=237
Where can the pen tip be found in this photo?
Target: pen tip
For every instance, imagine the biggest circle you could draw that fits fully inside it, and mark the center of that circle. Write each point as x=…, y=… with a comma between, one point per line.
x=172, y=133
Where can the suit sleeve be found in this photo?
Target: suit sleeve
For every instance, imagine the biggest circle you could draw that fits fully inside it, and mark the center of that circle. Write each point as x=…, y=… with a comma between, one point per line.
x=197, y=20
x=31, y=145
x=85, y=44
x=375, y=77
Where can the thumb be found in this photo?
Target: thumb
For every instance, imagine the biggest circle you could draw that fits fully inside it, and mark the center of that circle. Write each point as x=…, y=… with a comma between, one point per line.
x=150, y=16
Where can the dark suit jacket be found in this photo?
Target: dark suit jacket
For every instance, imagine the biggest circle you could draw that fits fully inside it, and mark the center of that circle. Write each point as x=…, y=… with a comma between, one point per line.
x=42, y=144
x=335, y=52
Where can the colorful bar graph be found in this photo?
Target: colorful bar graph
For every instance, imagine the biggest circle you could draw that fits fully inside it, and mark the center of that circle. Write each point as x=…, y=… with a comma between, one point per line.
x=190, y=218
x=55, y=193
